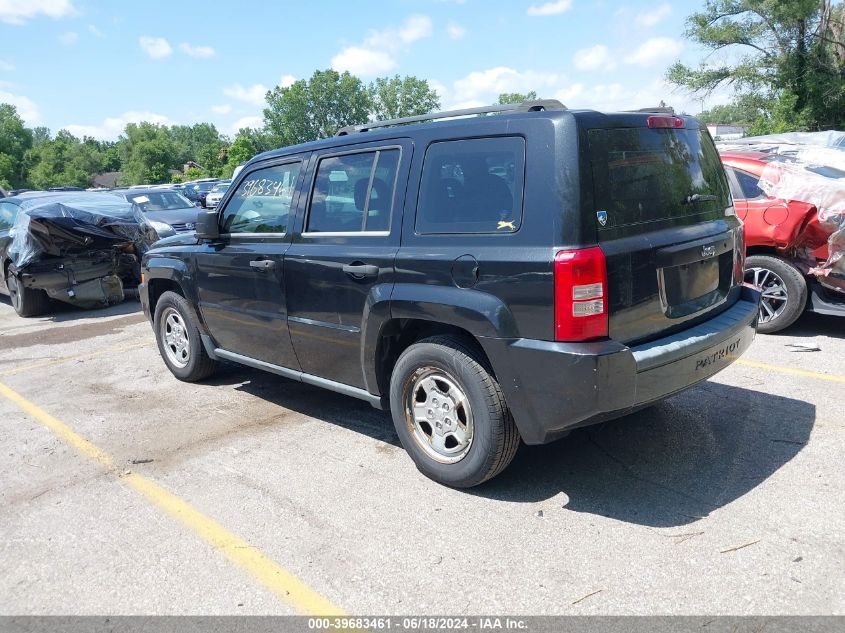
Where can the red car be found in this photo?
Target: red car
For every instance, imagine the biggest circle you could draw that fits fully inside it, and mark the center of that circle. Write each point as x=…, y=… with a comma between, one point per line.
x=775, y=234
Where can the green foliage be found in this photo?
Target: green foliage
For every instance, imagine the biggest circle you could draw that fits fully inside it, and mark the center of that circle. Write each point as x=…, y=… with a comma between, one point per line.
x=516, y=97
x=15, y=141
x=247, y=143
x=147, y=153
x=396, y=97
x=316, y=108
x=787, y=57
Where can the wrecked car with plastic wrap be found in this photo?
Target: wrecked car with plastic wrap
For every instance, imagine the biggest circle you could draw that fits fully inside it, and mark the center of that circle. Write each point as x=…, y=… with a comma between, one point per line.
x=80, y=249
x=789, y=189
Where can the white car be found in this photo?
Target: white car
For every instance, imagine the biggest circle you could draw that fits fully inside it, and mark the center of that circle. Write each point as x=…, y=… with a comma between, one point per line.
x=216, y=194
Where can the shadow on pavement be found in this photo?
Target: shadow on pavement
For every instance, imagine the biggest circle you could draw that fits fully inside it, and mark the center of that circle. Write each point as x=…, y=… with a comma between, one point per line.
x=61, y=312
x=314, y=402
x=668, y=465
x=811, y=324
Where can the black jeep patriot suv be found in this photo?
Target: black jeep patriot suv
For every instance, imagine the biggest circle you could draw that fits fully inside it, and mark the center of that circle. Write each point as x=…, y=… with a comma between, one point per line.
x=488, y=279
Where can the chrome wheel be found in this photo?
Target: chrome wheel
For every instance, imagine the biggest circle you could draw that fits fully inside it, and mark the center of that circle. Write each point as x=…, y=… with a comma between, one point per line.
x=438, y=415
x=14, y=291
x=775, y=294
x=174, y=335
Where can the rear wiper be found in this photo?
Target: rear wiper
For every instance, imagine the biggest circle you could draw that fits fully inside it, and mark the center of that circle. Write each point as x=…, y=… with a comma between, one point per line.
x=699, y=197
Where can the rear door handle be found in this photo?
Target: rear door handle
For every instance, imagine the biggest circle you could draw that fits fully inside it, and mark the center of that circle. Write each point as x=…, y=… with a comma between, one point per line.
x=262, y=264
x=361, y=270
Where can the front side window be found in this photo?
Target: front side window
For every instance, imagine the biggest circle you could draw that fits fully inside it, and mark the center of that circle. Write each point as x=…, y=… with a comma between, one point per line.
x=354, y=192
x=472, y=186
x=261, y=204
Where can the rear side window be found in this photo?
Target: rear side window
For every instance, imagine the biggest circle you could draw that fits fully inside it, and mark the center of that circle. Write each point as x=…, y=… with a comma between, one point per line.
x=262, y=201
x=354, y=193
x=642, y=174
x=472, y=186
x=8, y=213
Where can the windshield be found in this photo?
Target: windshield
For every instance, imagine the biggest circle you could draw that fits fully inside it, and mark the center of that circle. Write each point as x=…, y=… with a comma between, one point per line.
x=656, y=173
x=220, y=188
x=160, y=201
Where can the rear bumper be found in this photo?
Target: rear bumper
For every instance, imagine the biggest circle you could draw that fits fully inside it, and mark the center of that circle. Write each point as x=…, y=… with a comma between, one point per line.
x=552, y=388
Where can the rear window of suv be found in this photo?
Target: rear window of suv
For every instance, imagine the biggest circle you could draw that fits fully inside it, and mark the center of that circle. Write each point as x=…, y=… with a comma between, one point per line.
x=643, y=174
x=472, y=186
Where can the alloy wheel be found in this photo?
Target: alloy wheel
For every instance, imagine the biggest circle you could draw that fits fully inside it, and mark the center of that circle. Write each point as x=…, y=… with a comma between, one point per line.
x=174, y=334
x=438, y=415
x=775, y=295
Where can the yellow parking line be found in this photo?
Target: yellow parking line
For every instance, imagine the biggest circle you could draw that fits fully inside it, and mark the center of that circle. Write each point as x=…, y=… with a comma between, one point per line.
x=274, y=577
x=794, y=372
x=66, y=359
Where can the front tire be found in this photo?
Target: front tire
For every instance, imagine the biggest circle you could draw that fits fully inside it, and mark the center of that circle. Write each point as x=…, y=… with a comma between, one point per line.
x=178, y=337
x=784, y=291
x=450, y=414
x=27, y=302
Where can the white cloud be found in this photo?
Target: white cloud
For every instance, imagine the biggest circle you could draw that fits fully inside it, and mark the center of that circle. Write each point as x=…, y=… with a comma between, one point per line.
x=155, y=47
x=113, y=127
x=363, y=61
x=287, y=81
x=653, y=16
x=250, y=94
x=376, y=54
x=6, y=66
x=200, y=52
x=550, y=8
x=482, y=87
x=657, y=49
x=615, y=96
x=69, y=39
x=26, y=107
x=19, y=11
x=247, y=121
x=597, y=57
x=415, y=27
x=221, y=109
x=455, y=31
x=95, y=31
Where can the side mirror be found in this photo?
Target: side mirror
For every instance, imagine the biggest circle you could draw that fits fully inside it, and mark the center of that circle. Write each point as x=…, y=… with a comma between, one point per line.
x=207, y=227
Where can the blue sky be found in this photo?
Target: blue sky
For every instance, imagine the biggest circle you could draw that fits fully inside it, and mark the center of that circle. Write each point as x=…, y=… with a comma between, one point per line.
x=91, y=66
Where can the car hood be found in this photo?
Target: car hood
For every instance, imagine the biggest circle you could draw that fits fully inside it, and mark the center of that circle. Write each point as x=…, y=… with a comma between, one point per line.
x=174, y=216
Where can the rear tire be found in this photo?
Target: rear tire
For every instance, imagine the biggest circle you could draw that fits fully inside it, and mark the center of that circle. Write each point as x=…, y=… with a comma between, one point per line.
x=27, y=302
x=178, y=337
x=784, y=291
x=450, y=414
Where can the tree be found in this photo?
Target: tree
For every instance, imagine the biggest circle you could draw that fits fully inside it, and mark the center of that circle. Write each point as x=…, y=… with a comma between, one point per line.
x=316, y=108
x=15, y=140
x=248, y=143
x=515, y=97
x=739, y=112
x=396, y=97
x=147, y=153
x=790, y=56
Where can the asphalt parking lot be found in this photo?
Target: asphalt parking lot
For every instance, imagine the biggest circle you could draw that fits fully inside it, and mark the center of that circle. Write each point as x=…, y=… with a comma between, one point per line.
x=124, y=491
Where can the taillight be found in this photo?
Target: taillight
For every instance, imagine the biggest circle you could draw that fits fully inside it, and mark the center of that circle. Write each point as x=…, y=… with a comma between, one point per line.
x=580, y=295
x=655, y=121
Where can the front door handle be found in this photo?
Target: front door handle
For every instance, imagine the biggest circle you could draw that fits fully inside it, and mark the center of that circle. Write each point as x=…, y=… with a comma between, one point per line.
x=262, y=264
x=359, y=271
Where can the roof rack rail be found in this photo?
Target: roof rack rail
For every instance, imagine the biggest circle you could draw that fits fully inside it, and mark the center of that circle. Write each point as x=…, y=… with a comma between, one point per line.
x=526, y=106
x=656, y=109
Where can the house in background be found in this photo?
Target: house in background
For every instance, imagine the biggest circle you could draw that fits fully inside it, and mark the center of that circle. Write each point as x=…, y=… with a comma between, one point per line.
x=727, y=131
